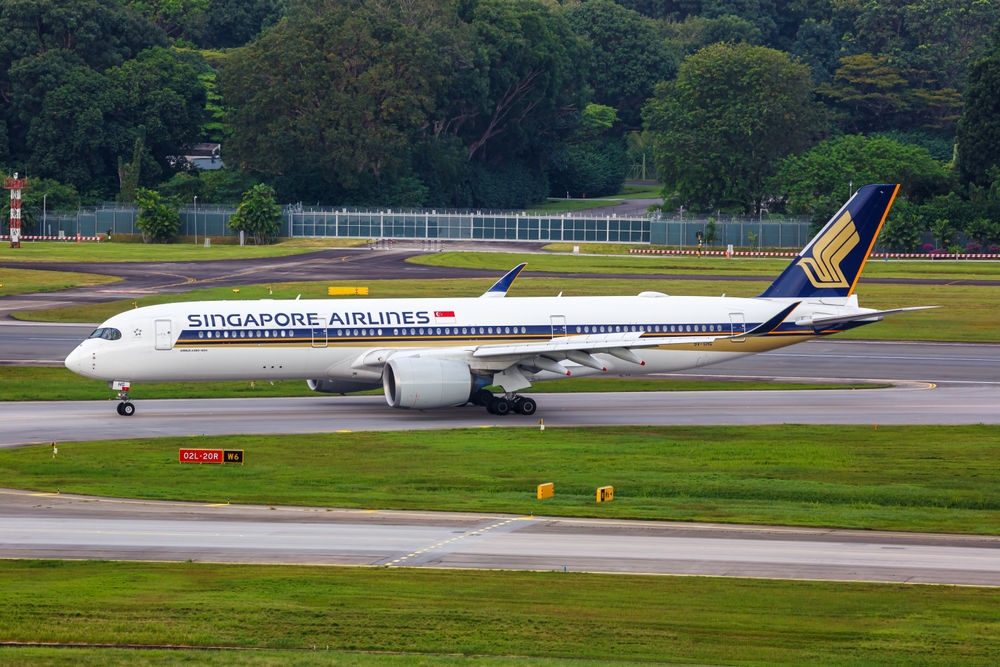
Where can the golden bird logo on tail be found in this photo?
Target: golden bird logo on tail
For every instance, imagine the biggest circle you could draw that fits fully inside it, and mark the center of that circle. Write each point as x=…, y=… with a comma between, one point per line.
x=823, y=268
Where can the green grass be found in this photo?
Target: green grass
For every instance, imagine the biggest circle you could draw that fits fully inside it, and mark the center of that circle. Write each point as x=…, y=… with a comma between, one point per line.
x=30, y=281
x=28, y=383
x=926, y=478
x=307, y=657
x=969, y=314
x=690, y=265
x=568, y=206
x=549, y=615
x=55, y=251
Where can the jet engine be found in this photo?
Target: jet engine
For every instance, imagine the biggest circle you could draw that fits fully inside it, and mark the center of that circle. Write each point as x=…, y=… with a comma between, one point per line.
x=340, y=386
x=418, y=384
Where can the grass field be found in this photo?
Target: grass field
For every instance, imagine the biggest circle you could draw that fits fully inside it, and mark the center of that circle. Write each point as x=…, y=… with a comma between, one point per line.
x=690, y=265
x=554, y=206
x=31, y=383
x=548, y=615
x=307, y=657
x=29, y=281
x=969, y=314
x=53, y=251
x=939, y=479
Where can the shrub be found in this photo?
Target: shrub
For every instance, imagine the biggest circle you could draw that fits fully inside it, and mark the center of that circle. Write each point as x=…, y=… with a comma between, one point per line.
x=973, y=248
x=158, y=219
x=257, y=215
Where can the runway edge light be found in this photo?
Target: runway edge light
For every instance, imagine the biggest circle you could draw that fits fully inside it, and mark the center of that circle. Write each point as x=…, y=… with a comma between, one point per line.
x=605, y=494
x=546, y=490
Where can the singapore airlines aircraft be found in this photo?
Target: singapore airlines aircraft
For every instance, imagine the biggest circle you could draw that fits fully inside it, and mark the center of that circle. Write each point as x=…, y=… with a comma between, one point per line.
x=437, y=353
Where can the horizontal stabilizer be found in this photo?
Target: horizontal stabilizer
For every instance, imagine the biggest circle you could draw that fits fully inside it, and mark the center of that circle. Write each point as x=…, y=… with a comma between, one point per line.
x=500, y=287
x=870, y=316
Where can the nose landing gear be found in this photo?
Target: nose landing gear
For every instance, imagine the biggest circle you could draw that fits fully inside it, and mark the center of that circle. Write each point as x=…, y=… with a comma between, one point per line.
x=126, y=408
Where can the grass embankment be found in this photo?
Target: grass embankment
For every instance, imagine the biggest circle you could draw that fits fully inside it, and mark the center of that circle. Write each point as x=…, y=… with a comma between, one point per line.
x=708, y=265
x=544, y=614
x=937, y=479
x=28, y=383
x=969, y=314
x=55, y=251
x=30, y=281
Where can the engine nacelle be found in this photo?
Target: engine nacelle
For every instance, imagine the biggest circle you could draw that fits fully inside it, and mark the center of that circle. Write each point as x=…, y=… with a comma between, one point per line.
x=419, y=383
x=340, y=386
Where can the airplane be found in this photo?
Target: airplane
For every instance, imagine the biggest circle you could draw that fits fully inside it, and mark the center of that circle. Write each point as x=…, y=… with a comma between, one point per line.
x=431, y=353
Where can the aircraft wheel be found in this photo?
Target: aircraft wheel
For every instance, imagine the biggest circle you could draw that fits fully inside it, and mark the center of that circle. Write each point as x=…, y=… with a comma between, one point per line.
x=500, y=406
x=481, y=398
x=118, y=408
x=526, y=406
x=127, y=409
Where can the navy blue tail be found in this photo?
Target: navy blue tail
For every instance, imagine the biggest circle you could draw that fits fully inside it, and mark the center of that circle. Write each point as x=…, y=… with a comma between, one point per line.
x=832, y=262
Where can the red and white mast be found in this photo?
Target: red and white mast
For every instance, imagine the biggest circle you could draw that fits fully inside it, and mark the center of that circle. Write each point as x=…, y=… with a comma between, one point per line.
x=15, y=185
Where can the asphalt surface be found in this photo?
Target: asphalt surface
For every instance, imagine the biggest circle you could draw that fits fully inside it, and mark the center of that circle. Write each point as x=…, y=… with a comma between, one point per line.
x=35, y=422
x=44, y=525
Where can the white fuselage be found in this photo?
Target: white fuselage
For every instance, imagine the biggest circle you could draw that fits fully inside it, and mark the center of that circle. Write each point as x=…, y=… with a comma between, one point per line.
x=349, y=340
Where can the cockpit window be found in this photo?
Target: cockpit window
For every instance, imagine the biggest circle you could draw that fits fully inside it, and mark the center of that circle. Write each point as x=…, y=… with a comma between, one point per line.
x=107, y=334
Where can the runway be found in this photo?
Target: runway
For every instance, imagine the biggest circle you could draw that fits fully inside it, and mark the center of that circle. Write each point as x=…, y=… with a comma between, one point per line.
x=39, y=525
x=34, y=422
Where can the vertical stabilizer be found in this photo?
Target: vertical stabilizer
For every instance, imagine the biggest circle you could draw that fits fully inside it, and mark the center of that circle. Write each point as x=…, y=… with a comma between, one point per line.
x=832, y=262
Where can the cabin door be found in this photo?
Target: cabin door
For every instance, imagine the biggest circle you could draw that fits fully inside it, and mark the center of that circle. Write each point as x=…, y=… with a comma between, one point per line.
x=164, y=335
x=320, y=333
x=558, y=325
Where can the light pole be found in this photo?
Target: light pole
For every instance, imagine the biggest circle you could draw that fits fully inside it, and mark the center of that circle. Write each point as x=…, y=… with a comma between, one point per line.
x=196, y=219
x=45, y=229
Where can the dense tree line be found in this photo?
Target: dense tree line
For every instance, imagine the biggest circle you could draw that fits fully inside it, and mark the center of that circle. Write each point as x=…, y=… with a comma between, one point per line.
x=741, y=105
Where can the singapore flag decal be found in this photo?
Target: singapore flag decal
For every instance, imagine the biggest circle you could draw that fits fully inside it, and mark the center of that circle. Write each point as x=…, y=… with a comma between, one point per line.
x=444, y=317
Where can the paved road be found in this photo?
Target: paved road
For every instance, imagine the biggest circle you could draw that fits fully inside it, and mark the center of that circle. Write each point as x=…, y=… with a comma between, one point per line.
x=38, y=344
x=32, y=422
x=38, y=525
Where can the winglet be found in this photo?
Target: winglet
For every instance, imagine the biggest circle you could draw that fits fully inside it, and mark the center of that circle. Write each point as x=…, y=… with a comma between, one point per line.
x=773, y=323
x=500, y=287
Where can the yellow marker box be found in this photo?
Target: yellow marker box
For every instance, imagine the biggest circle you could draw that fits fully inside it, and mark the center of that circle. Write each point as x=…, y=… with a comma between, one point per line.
x=546, y=490
x=605, y=494
x=347, y=291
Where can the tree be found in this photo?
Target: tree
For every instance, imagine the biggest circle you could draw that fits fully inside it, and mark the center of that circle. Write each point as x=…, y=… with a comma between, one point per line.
x=818, y=46
x=978, y=137
x=158, y=219
x=336, y=91
x=722, y=127
x=594, y=163
x=128, y=173
x=258, y=216
x=818, y=181
x=880, y=96
x=233, y=23
x=627, y=56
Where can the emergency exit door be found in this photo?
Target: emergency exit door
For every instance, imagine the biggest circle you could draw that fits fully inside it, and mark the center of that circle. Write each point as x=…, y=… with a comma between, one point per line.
x=558, y=325
x=739, y=327
x=164, y=335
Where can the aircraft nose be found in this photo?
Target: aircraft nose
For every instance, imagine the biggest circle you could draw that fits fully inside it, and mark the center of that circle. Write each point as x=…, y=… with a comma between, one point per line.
x=75, y=360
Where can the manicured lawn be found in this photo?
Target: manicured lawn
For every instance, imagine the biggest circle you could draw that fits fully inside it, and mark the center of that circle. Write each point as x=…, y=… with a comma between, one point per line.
x=691, y=265
x=55, y=251
x=554, y=206
x=27, y=383
x=968, y=313
x=926, y=478
x=29, y=281
x=306, y=657
x=548, y=615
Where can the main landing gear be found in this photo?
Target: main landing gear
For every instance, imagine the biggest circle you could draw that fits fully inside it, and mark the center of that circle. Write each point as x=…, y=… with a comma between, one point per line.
x=505, y=404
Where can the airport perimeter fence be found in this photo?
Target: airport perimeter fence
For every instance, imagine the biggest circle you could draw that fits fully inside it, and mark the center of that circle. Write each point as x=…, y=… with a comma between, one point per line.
x=212, y=221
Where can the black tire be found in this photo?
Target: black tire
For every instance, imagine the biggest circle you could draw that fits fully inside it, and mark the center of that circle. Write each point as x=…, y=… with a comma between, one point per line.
x=481, y=398
x=526, y=406
x=128, y=409
x=500, y=406
x=118, y=408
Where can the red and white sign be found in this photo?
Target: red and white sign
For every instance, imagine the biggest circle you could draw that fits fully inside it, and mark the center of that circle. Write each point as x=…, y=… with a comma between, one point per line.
x=201, y=456
x=444, y=316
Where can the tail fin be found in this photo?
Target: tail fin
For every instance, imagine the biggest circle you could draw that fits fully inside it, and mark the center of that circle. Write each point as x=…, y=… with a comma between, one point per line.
x=832, y=262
